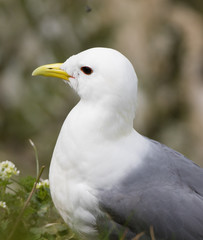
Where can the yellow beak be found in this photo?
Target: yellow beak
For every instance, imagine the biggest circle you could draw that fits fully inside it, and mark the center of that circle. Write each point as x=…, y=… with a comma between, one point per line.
x=51, y=70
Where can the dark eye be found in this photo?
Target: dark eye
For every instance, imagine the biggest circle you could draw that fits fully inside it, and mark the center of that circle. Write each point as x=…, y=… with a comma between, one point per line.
x=87, y=70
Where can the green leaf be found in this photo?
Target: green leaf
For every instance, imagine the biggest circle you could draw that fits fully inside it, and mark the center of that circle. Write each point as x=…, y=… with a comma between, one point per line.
x=27, y=183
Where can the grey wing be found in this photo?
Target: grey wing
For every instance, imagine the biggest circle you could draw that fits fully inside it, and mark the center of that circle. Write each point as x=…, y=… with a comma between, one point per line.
x=173, y=216
x=166, y=193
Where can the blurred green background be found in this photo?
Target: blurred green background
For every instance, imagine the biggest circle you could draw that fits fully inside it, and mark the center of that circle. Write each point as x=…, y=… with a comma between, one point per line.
x=162, y=38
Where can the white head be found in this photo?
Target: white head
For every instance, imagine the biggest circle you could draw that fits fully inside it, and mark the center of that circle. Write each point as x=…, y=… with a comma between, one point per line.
x=101, y=75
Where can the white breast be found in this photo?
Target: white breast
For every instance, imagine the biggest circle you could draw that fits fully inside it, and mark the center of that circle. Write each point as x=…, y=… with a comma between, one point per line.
x=83, y=162
x=74, y=200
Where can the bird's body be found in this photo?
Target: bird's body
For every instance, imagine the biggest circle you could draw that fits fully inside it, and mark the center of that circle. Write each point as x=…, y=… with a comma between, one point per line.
x=106, y=179
x=89, y=168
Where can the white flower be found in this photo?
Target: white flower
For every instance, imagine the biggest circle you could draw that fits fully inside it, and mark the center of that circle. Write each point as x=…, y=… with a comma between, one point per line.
x=7, y=169
x=43, y=184
x=3, y=204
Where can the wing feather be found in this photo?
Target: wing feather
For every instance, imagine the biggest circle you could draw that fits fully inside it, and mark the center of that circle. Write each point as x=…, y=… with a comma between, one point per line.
x=166, y=192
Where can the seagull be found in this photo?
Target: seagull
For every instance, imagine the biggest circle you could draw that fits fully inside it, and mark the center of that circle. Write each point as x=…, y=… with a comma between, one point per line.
x=108, y=181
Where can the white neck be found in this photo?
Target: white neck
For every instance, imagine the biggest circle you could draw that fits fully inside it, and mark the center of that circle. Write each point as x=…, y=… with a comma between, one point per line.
x=99, y=120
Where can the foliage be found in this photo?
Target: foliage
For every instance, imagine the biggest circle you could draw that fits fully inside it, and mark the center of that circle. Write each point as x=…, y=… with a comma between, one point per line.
x=26, y=208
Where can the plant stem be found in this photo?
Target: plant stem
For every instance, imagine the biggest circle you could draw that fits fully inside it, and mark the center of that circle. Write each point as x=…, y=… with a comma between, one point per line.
x=26, y=204
x=138, y=236
x=36, y=157
x=12, y=179
x=151, y=229
x=11, y=189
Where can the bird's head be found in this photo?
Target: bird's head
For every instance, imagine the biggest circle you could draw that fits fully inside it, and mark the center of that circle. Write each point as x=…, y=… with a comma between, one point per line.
x=98, y=75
